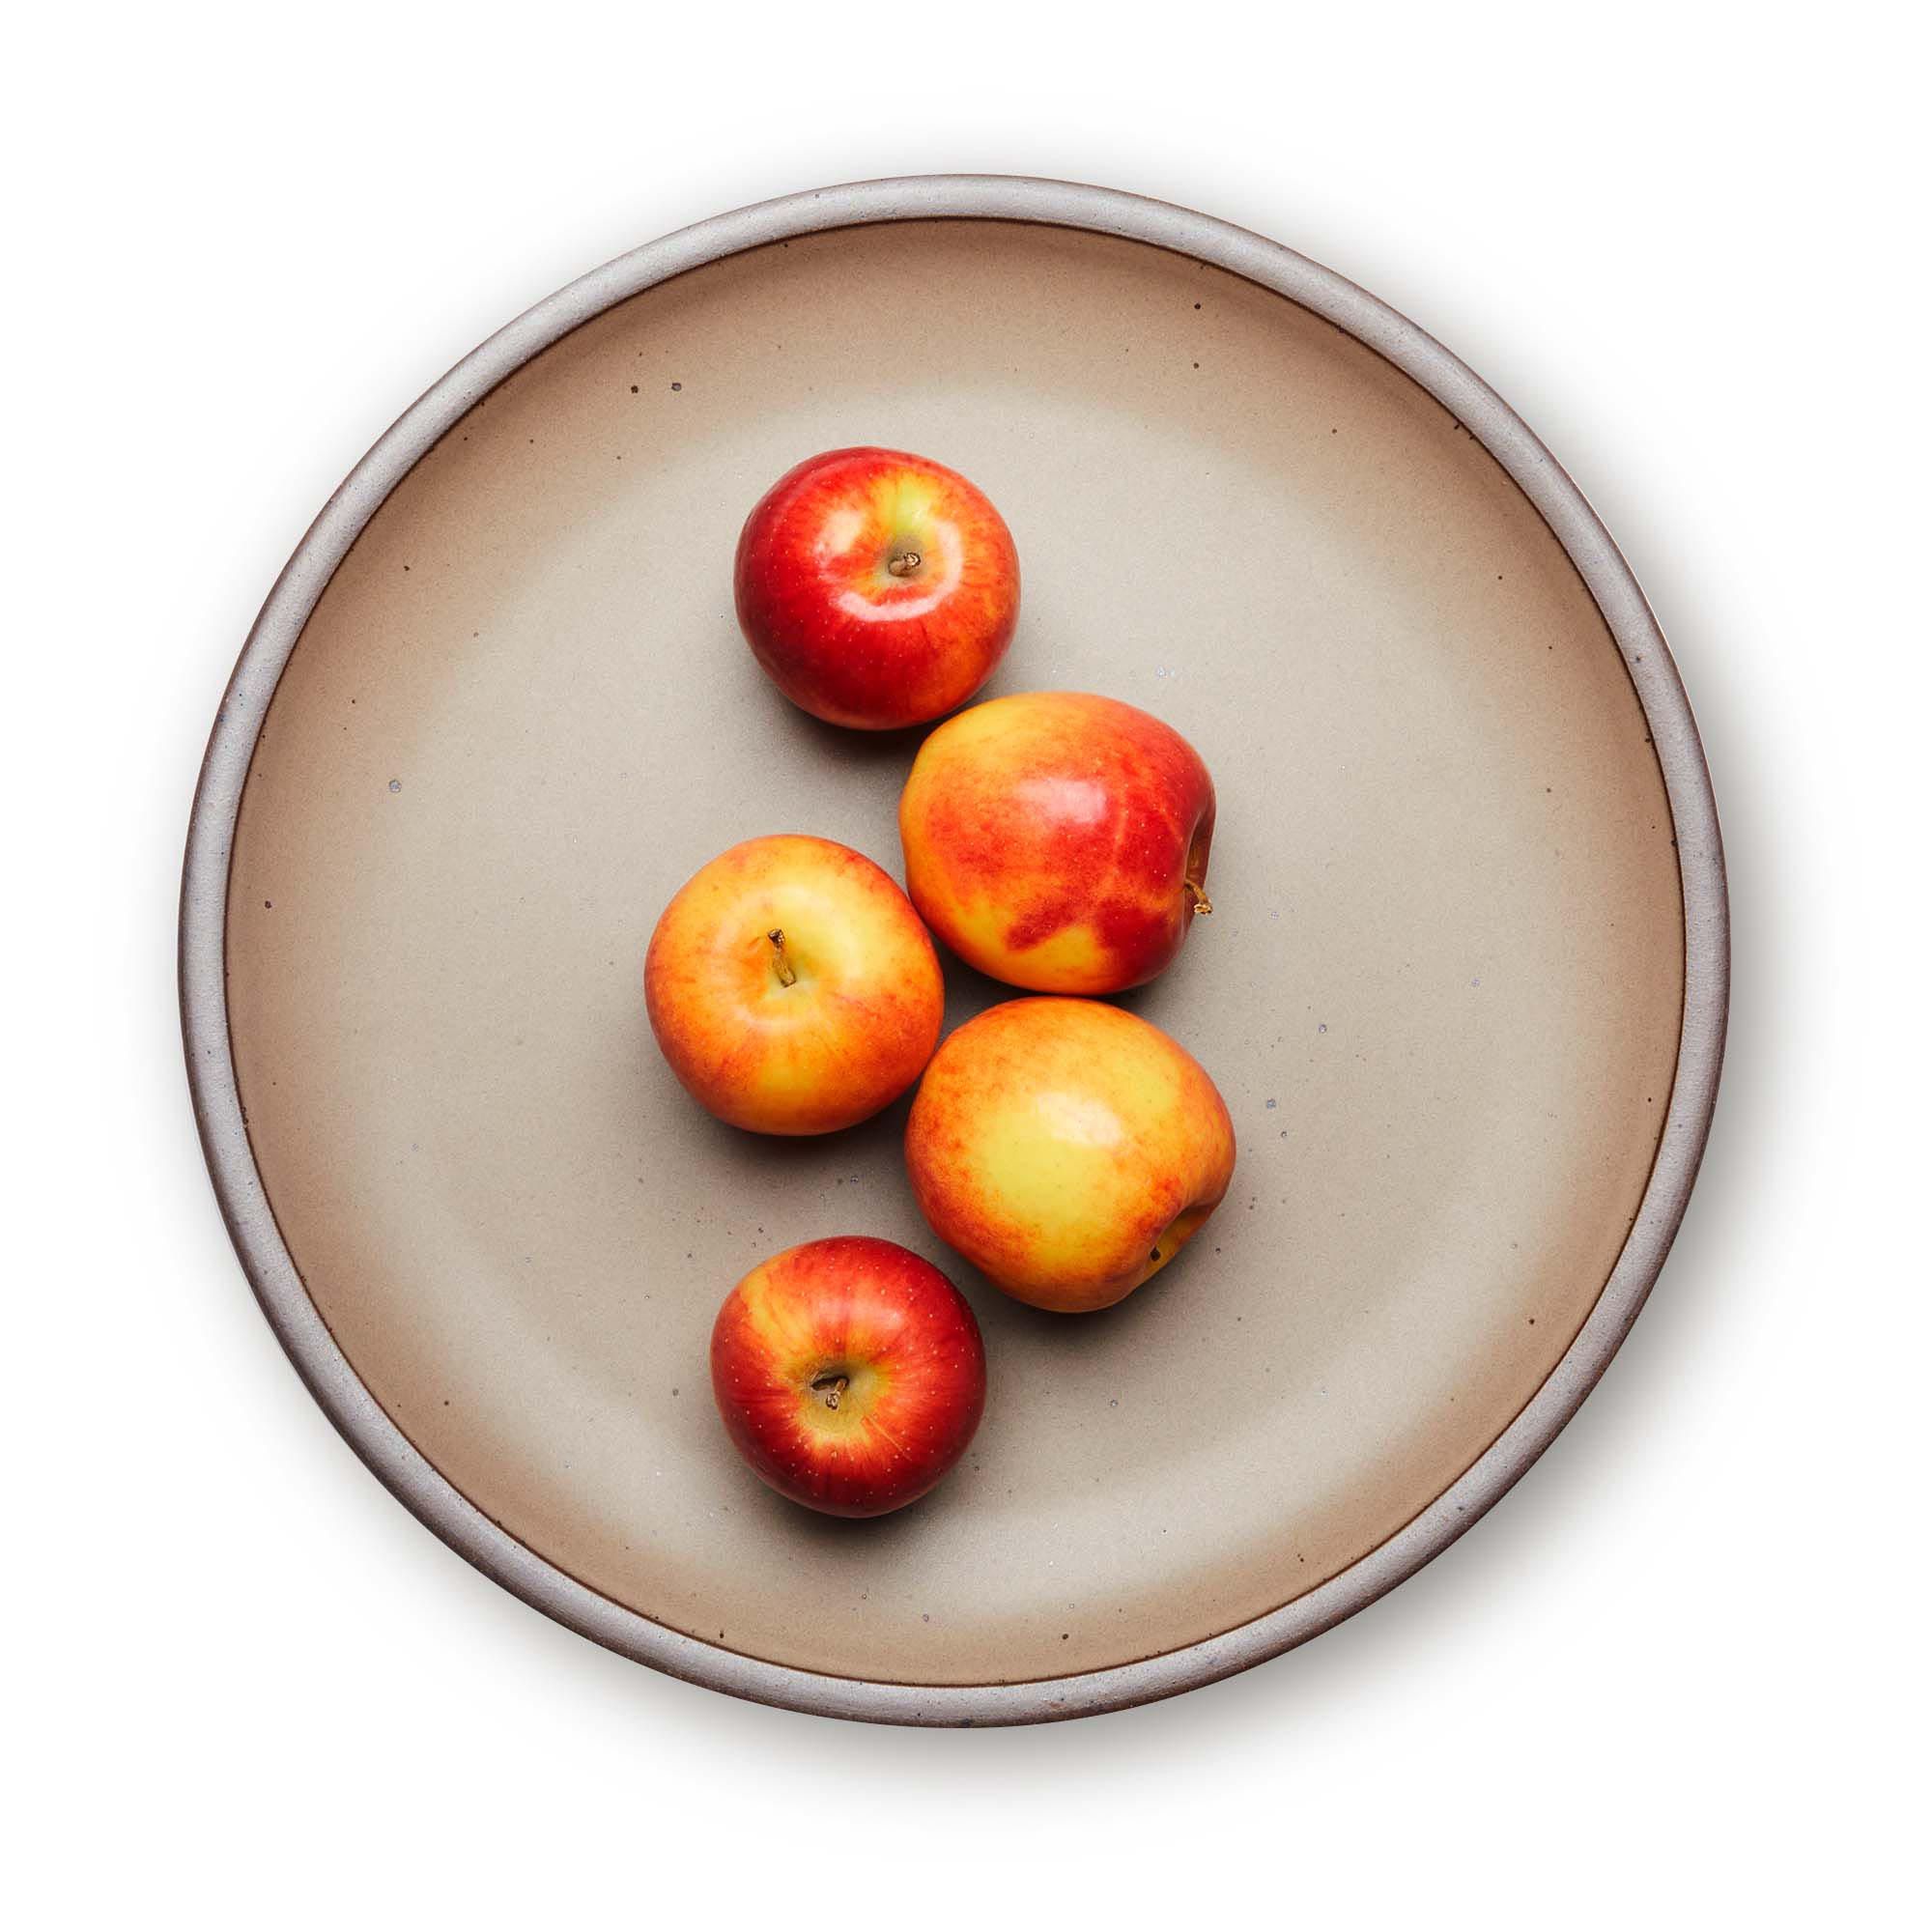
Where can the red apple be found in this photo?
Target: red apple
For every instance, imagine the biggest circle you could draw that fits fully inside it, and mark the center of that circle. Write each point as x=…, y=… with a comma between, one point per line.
x=792, y=988
x=1058, y=842
x=876, y=588
x=849, y=1373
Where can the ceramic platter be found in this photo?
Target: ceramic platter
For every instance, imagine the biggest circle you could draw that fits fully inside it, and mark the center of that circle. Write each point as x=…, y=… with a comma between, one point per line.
x=1463, y=987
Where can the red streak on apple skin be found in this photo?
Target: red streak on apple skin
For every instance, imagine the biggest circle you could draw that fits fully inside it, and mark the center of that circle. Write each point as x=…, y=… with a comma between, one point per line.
x=838, y=632
x=1088, y=813
x=883, y=1317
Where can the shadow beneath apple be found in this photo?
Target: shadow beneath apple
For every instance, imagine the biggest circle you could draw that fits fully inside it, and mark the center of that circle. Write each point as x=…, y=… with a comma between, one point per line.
x=751, y=1151
x=809, y=1529
x=863, y=750
x=1076, y=1337
x=969, y=992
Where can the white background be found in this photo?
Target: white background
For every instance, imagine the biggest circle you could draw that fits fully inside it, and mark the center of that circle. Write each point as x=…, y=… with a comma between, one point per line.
x=1676, y=1678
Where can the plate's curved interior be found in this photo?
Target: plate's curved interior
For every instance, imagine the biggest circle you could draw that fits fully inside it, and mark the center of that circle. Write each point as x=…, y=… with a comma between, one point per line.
x=1441, y=988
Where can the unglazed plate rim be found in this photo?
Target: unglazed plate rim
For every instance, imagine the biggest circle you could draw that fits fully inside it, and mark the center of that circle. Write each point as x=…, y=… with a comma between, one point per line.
x=238, y=1183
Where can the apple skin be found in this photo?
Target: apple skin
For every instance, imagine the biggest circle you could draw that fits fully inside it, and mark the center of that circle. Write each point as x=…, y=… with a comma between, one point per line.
x=1067, y=1149
x=902, y=1339
x=850, y=1032
x=845, y=626
x=1058, y=841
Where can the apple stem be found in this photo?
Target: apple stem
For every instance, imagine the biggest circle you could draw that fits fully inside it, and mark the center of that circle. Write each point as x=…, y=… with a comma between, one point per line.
x=786, y=976
x=905, y=563
x=832, y=1387
x=1202, y=904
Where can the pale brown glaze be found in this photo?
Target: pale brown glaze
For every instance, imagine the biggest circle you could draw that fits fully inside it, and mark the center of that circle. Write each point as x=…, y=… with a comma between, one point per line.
x=1440, y=991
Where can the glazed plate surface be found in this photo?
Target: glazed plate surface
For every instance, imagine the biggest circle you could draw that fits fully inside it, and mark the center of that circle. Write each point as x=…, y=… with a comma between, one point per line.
x=1443, y=988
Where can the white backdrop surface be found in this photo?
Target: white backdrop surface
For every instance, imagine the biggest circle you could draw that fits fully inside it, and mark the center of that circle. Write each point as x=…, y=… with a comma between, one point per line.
x=1676, y=1677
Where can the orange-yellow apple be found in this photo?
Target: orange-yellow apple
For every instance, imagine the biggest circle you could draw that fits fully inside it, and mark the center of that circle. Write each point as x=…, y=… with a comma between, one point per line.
x=877, y=588
x=849, y=1373
x=1058, y=841
x=1067, y=1149
x=792, y=987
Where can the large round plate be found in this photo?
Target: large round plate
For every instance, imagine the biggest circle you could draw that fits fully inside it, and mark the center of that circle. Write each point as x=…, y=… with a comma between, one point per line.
x=1464, y=986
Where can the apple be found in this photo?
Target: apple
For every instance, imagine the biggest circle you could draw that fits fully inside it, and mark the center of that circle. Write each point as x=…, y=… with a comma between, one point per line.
x=849, y=1373
x=1068, y=1149
x=792, y=988
x=1058, y=841
x=877, y=588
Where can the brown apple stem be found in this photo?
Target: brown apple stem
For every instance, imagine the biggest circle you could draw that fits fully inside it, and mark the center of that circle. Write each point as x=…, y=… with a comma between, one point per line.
x=832, y=1387
x=1201, y=904
x=904, y=563
x=786, y=976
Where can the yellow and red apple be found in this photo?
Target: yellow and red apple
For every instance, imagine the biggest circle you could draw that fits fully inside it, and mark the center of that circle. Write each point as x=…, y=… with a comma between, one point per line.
x=792, y=988
x=849, y=1374
x=877, y=588
x=1068, y=1149
x=1058, y=841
